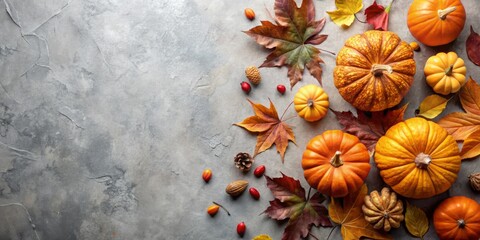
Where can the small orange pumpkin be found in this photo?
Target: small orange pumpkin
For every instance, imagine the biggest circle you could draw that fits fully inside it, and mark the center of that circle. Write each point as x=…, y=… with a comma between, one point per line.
x=374, y=70
x=436, y=22
x=418, y=158
x=311, y=102
x=457, y=218
x=445, y=73
x=336, y=163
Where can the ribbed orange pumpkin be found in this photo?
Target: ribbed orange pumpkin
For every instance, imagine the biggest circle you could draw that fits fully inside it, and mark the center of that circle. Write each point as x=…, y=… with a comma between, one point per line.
x=457, y=218
x=436, y=22
x=336, y=163
x=418, y=158
x=311, y=102
x=374, y=70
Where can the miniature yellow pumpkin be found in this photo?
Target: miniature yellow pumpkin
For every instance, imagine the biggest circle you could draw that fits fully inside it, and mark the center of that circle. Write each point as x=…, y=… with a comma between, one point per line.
x=311, y=102
x=374, y=70
x=445, y=73
x=418, y=158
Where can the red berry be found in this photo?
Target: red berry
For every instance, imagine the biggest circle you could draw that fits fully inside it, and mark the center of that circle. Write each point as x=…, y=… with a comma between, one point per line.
x=207, y=175
x=254, y=193
x=241, y=228
x=281, y=88
x=258, y=172
x=246, y=87
x=213, y=209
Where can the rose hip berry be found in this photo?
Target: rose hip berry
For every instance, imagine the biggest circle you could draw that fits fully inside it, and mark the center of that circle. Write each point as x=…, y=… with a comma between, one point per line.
x=281, y=88
x=258, y=172
x=241, y=228
x=207, y=175
x=254, y=193
x=246, y=87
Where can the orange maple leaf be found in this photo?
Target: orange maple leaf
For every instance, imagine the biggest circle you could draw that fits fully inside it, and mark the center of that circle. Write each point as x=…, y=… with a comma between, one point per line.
x=461, y=125
x=350, y=216
x=270, y=128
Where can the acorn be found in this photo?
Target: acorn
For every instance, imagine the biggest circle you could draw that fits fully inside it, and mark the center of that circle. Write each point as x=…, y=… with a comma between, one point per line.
x=236, y=188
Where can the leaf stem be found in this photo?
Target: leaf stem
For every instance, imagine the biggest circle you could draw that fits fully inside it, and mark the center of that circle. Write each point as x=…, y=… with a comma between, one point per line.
x=220, y=205
x=308, y=195
x=292, y=117
x=327, y=51
x=389, y=6
x=331, y=231
x=313, y=236
x=290, y=104
x=355, y=15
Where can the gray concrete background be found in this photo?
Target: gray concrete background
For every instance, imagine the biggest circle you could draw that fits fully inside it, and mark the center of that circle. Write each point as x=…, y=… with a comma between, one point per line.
x=111, y=109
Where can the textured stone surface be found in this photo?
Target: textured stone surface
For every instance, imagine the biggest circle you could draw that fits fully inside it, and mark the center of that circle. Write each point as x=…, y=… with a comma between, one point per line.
x=111, y=109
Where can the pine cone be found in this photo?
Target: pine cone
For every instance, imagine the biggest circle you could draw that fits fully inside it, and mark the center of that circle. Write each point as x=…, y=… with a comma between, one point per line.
x=243, y=161
x=253, y=75
x=383, y=211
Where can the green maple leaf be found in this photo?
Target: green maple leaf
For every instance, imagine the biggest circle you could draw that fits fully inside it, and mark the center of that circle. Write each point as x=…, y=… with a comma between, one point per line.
x=292, y=37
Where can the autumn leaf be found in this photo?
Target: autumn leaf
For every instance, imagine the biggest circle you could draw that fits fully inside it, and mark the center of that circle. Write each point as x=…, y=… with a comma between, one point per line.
x=292, y=38
x=416, y=221
x=473, y=47
x=470, y=97
x=269, y=127
x=262, y=237
x=460, y=125
x=432, y=106
x=377, y=15
x=350, y=216
x=369, y=127
x=471, y=146
x=345, y=13
x=290, y=203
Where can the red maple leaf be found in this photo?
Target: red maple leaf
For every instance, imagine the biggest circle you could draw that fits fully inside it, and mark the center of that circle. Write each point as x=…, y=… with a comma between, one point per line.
x=377, y=15
x=290, y=202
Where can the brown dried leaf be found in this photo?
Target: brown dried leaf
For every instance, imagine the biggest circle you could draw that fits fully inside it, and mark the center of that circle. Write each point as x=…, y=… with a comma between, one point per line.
x=269, y=127
x=350, y=216
x=369, y=127
x=470, y=97
x=471, y=146
x=473, y=47
x=460, y=125
x=416, y=221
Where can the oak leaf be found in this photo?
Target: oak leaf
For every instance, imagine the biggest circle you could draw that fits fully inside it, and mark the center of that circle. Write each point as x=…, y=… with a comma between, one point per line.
x=377, y=15
x=432, y=106
x=416, y=221
x=350, y=216
x=292, y=37
x=344, y=15
x=270, y=128
x=460, y=125
x=369, y=127
x=290, y=202
x=471, y=145
x=473, y=47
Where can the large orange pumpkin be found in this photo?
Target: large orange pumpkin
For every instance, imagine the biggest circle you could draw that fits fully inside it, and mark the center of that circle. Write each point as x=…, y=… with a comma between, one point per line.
x=336, y=163
x=418, y=158
x=457, y=218
x=436, y=22
x=374, y=70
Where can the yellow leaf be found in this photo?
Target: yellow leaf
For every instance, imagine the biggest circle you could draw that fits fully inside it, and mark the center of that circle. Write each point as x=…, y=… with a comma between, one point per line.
x=262, y=237
x=432, y=106
x=416, y=221
x=471, y=145
x=346, y=9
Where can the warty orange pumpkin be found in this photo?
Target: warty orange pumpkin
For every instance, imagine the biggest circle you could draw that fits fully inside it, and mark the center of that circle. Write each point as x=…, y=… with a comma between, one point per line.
x=374, y=70
x=457, y=218
x=436, y=22
x=336, y=163
x=418, y=158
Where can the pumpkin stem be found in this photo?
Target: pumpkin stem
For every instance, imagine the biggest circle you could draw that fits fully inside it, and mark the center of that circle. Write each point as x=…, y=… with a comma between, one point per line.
x=336, y=160
x=461, y=223
x=310, y=103
x=377, y=69
x=449, y=71
x=422, y=160
x=442, y=13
